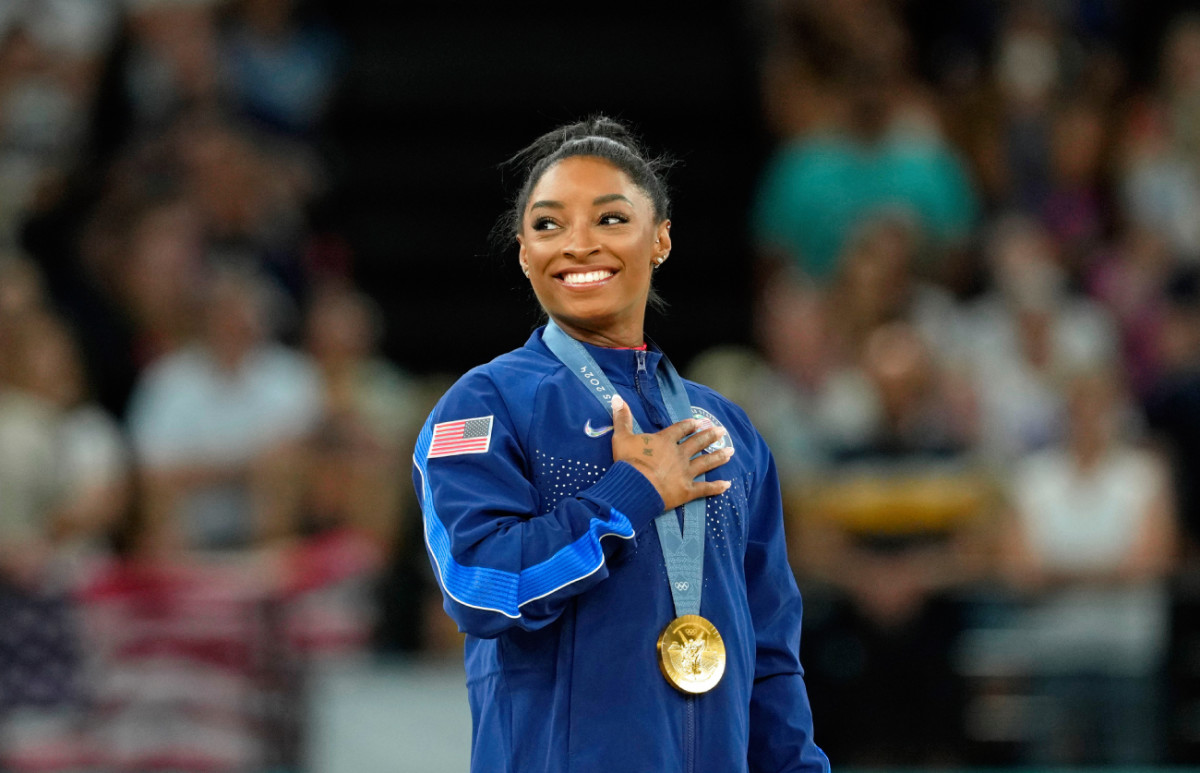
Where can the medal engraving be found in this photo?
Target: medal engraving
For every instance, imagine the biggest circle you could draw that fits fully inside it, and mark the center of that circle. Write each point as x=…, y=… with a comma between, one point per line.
x=691, y=654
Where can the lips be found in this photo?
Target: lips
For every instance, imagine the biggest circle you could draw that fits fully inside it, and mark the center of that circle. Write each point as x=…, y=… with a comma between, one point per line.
x=582, y=278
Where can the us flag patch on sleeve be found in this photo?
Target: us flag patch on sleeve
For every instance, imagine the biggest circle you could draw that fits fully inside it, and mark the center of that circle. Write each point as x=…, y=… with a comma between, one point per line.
x=465, y=436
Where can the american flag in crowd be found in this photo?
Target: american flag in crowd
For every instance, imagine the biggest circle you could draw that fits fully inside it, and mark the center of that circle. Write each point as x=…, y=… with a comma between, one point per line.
x=195, y=668
x=465, y=436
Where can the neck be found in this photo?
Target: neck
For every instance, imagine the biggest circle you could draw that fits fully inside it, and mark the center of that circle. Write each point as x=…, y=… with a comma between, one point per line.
x=610, y=337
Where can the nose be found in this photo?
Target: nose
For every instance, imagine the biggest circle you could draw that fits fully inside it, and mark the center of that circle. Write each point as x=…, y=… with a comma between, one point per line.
x=581, y=243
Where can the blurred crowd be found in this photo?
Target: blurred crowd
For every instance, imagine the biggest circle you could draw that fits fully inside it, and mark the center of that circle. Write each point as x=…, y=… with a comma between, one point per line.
x=976, y=356
x=203, y=455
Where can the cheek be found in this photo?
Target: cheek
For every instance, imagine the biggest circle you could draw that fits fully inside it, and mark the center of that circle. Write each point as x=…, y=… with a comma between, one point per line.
x=636, y=247
x=536, y=254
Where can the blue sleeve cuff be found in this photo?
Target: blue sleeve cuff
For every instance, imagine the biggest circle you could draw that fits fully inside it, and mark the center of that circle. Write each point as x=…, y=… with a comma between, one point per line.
x=626, y=490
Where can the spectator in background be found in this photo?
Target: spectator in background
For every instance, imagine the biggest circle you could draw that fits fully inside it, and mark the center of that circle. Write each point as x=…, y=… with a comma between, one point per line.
x=359, y=568
x=1075, y=207
x=879, y=149
x=891, y=531
x=125, y=278
x=50, y=57
x=65, y=471
x=250, y=199
x=361, y=388
x=63, y=480
x=1159, y=163
x=91, y=453
x=28, y=478
x=1017, y=339
x=279, y=67
x=169, y=64
x=345, y=491
x=1029, y=72
x=1091, y=545
x=878, y=282
x=342, y=513
x=206, y=419
x=1129, y=277
x=156, y=276
x=913, y=414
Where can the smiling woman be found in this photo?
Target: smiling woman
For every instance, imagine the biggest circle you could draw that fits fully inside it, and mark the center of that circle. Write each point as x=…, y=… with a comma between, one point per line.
x=588, y=242
x=623, y=610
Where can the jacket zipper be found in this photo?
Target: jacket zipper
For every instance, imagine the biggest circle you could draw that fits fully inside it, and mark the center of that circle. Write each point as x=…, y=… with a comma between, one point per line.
x=643, y=372
x=689, y=737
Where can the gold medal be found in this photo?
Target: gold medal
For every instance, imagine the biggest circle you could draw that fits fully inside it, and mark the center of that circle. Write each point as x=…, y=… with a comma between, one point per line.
x=691, y=654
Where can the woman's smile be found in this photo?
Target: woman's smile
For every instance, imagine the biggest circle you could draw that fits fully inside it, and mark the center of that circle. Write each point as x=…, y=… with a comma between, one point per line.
x=584, y=279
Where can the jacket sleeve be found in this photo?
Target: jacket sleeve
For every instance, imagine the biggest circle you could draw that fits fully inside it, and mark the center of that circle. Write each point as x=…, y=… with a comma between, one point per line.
x=781, y=721
x=499, y=561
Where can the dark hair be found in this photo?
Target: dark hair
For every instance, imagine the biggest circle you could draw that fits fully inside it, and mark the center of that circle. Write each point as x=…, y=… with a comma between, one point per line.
x=598, y=136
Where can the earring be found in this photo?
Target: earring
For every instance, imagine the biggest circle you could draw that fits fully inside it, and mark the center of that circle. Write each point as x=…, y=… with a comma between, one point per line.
x=659, y=260
x=526, y=271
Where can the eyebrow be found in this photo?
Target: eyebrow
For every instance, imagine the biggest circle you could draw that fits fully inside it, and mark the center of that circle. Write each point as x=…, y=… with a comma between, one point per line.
x=610, y=197
x=606, y=198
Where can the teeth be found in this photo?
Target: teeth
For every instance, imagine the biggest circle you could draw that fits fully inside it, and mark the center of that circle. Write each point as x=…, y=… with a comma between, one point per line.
x=591, y=276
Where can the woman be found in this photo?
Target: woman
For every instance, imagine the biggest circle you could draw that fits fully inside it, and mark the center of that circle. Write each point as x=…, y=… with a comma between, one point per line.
x=599, y=636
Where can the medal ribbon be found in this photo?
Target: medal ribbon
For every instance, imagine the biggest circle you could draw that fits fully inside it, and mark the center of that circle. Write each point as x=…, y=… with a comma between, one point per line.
x=683, y=551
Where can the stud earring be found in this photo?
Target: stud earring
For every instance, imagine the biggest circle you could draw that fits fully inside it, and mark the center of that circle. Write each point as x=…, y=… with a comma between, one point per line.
x=526, y=271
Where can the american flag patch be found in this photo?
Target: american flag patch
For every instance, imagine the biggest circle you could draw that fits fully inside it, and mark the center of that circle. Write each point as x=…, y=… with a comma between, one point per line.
x=465, y=436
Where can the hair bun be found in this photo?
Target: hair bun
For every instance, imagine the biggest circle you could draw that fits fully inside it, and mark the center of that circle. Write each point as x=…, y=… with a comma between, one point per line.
x=602, y=126
x=599, y=127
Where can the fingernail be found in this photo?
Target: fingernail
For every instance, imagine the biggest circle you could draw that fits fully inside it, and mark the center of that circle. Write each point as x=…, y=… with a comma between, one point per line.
x=617, y=402
x=721, y=431
x=728, y=451
x=726, y=486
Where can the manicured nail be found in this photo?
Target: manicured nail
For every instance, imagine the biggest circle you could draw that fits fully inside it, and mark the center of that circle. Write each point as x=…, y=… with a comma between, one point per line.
x=726, y=486
x=617, y=402
x=728, y=451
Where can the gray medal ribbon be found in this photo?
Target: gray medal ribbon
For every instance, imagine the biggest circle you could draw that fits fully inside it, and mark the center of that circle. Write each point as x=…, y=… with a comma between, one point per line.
x=683, y=552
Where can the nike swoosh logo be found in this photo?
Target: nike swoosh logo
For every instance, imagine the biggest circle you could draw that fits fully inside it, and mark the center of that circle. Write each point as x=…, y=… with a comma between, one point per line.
x=596, y=432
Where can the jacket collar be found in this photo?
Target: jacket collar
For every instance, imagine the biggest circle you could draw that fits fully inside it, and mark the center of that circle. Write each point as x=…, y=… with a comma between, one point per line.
x=620, y=365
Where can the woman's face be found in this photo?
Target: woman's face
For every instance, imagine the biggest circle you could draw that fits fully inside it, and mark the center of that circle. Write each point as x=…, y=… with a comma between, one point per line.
x=589, y=239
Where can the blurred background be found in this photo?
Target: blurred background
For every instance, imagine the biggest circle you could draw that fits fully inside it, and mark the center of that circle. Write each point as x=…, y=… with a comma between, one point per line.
x=946, y=255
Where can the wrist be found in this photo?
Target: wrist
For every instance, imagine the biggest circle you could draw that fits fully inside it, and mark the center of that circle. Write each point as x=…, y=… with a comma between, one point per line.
x=628, y=490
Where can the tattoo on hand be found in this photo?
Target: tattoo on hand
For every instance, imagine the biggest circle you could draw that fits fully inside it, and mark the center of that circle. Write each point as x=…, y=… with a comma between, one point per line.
x=648, y=451
x=645, y=440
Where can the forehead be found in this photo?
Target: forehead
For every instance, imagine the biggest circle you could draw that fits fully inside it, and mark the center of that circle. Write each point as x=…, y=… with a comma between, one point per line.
x=585, y=177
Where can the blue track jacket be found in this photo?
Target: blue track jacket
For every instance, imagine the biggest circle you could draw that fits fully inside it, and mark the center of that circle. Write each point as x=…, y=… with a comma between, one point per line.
x=548, y=559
